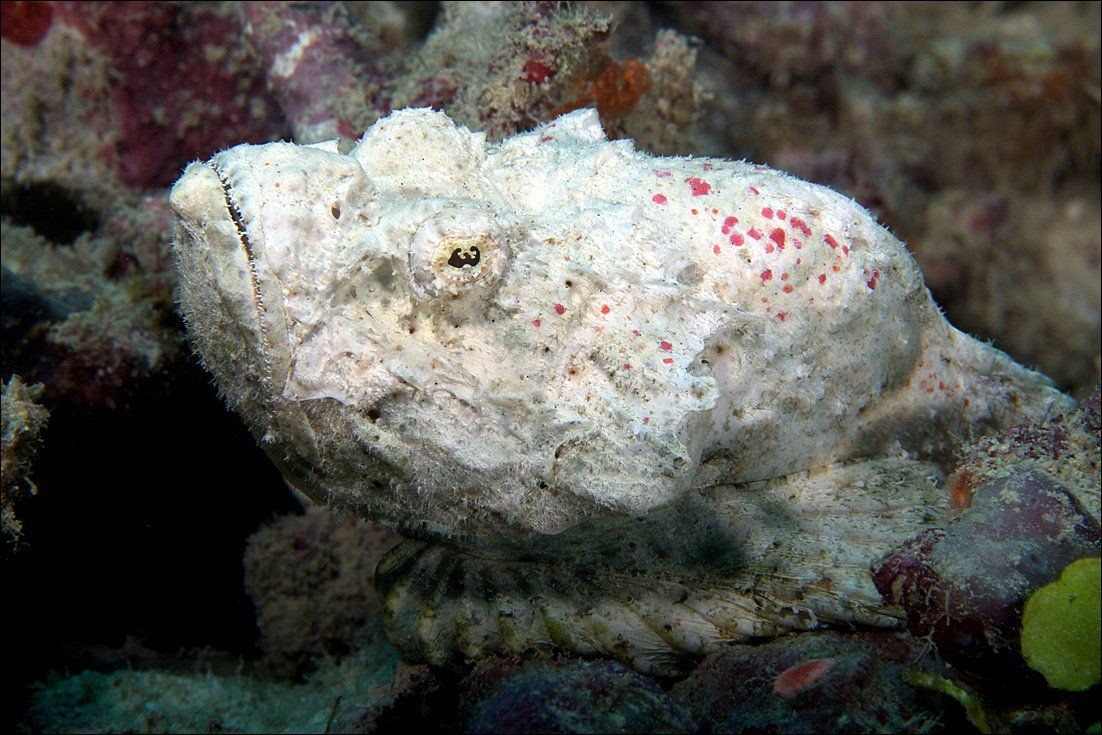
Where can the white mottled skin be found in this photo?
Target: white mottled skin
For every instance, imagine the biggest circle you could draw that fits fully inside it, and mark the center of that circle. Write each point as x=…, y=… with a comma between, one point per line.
x=622, y=341
x=482, y=419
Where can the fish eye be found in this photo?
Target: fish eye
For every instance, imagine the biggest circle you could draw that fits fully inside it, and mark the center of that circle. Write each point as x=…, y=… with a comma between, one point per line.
x=456, y=251
x=465, y=257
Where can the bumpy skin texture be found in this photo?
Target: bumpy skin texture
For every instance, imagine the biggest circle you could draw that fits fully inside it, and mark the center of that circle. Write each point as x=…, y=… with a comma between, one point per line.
x=491, y=344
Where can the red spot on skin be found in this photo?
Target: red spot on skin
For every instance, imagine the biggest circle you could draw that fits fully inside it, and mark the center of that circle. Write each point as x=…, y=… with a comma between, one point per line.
x=559, y=308
x=754, y=191
x=769, y=248
x=715, y=249
x=635, y=332
x=605, y=309
x=798, y=261
x=799, y=245
x=699, y=186
x=777, y=236
x=25, y=23
x=695, y=212
x=646, y=419
x=754, y=233
x=781, y=315
x=800, y=226
x=835, y=268
x=829, y=240
x=667, y=360
x=767, y=213
x=781, y=214
x=536, y=72
x=845, y=250
x=784, y=276
x=794, y=680
x=664, y=345
x=730, y=222
x=658, y=199
x=766, y=275
x=660, y=173
x=535, y=322
x=627, y=366
x=788, y=288
x=546, y=138
x=708, y=167
x=871, y=283
x=822, y=278
x=737, y=239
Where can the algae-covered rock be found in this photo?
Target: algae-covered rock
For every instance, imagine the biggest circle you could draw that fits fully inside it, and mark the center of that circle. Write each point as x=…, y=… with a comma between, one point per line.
x=1061, y=628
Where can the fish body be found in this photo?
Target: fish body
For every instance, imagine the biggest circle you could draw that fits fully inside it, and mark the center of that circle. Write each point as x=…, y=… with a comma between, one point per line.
x=533, y=346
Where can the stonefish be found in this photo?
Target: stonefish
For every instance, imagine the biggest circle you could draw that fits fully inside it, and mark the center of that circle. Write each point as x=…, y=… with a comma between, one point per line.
x=618, y=404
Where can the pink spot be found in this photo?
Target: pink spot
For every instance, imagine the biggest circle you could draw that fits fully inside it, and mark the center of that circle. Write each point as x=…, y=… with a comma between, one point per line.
x=787, y=288
x=795, y=679
x=708, y=167
x=715, y=249
x=658, y=199
x=767, y=212
x=536, y=72
x=784, y=276
x=667, y=360
x=800, y=226
x=635, y=332
x=799, y=245
x=845, y=250
x=664, y=345
x=835, y=268
x=754, y=233
x=871, y=283
x=766, y=275
x=661, y=174
x=777, y=236
x=535, y=322
x=822, y=278
x=753, y=190
x=546, y=138
x=781, y=315
x=695, y=212
x=646, y=419
x=604, y=308
x=559, y=308
x=737, y=239
x=781, y=214
x=627, y=366
x=730, y=221
x=829, y=240
x=698, y=186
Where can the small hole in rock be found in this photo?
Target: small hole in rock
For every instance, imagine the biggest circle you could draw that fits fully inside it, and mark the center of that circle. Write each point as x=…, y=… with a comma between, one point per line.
x=52, y=211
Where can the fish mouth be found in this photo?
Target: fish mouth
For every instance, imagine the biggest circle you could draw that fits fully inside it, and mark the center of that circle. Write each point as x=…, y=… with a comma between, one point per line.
x=223, y=296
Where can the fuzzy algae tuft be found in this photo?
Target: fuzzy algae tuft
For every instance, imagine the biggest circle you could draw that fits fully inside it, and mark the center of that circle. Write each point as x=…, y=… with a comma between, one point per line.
x=1061, y=628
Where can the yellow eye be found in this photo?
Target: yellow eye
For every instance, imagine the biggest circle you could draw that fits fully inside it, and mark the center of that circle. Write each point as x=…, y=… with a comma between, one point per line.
x=457, y=250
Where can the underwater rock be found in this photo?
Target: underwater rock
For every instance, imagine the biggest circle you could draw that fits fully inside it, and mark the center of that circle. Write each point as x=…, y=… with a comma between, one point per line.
x=317, y=66
x=1028, y=502
x=564, y=696
x=816, y=682
x=525, y=348
x=24, y=419
x=158, y=84
x=310, y=578
x=92, y=319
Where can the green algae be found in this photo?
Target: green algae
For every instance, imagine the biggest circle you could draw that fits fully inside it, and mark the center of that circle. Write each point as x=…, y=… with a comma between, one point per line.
x=1061, y=629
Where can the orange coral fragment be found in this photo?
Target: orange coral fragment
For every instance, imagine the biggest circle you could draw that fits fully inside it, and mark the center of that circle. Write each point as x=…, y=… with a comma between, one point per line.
x=615, y=91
